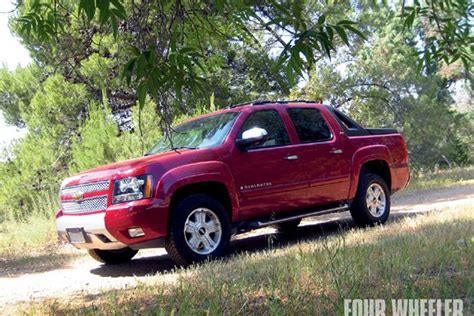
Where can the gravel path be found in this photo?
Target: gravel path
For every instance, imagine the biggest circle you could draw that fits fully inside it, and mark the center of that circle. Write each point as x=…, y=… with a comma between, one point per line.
x=85, y=276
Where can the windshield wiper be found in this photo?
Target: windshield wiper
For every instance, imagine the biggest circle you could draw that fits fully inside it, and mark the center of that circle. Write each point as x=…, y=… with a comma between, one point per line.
x=177, y=148
x=183, y=147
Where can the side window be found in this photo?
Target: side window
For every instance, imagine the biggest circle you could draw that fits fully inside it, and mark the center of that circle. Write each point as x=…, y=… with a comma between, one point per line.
x=309, y=124
x=271, y=121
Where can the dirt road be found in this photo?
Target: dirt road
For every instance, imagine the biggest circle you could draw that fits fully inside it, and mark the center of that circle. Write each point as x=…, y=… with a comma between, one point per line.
x=85, y=276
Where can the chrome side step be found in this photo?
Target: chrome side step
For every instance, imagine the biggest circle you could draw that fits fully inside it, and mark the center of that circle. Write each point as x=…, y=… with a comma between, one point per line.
x=342, y=208
x=262, y=222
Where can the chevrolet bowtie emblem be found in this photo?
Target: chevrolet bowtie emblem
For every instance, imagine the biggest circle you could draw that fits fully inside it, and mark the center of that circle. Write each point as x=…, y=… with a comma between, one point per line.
x=77, y=196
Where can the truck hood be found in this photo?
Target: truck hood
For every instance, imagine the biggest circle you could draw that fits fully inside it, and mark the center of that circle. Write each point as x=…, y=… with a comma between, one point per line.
x=123, y=168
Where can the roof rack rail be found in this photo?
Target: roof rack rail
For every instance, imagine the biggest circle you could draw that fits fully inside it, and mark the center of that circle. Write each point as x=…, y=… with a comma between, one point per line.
x=245, y=103
x=263, y=102
x=284, y=102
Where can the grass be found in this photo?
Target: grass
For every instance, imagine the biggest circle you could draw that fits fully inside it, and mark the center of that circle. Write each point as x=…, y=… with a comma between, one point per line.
x=441, y=178
x=31, y=245
x=32, y=235
x=426, y=256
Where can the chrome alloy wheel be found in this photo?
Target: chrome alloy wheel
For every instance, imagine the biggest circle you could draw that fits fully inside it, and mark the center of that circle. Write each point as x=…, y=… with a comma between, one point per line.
x=375, y=200
x=202, y=231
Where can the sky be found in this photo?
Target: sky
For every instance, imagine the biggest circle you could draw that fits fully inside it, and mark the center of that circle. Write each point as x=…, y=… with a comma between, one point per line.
x=12, y=55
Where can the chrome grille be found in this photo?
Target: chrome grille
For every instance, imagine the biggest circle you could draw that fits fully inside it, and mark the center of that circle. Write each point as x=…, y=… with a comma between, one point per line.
x=86, y=187
x=88, y=204
x=85, y=206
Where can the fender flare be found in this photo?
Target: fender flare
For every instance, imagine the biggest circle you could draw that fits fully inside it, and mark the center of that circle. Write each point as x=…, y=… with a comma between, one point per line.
x=364, y=155
x=209, y=171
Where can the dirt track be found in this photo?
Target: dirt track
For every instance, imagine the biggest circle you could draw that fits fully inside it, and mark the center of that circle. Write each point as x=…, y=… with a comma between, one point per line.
x=85, y=276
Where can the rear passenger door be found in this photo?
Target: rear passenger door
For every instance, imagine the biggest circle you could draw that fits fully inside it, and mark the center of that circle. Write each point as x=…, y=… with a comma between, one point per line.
x=321, y=152
x=268, y=175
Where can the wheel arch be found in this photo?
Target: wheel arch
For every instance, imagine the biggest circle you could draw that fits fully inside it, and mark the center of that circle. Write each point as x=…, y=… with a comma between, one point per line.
x=213, y=178
x=215, y=189
x=378, y=167
x=376, y=159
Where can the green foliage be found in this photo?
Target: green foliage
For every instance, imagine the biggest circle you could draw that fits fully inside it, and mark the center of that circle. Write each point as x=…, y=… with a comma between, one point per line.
x=447, y=30
x=381, y=87
x=99, y=141
x=41, y=20
x=169, y=57
x=17, y=88
x=57, y=107
x=30, y=181
x=109, y=11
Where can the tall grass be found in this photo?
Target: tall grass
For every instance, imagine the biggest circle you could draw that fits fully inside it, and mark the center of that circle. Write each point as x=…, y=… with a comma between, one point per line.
x=33, y=233
x=46, y=202
x=441, y=178
x=28, y=237
x=32, y=242
x=428, y=256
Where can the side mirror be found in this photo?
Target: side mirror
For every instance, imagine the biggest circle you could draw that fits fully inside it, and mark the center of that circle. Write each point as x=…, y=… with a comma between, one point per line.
x=250, y=137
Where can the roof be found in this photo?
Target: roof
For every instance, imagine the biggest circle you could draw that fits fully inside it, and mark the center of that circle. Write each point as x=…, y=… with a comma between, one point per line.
x=265, y=102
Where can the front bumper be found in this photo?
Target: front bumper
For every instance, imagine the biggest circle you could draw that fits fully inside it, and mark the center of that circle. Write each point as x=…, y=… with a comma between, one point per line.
x=108, y=229
x=93, y=225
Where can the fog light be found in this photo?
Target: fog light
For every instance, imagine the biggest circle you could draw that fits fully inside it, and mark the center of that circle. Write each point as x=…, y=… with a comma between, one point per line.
x=136, y=232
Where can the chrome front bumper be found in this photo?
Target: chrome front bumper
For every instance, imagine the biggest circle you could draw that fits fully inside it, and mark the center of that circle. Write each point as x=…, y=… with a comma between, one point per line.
x=93, y=226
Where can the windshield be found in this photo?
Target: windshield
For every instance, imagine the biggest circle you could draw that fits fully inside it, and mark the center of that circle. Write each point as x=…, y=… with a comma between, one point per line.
x=200, y=133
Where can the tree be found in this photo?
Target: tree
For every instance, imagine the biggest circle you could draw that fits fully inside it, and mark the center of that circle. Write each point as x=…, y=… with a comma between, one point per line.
x=447, y=35
x=378, y=84
x=167, y=49
x=16, y=91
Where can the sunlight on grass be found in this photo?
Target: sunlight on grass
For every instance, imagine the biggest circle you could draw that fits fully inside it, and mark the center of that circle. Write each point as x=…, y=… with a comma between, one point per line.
x=34, y=235
x=442, y=178
x=31, y=246
x=423, y=256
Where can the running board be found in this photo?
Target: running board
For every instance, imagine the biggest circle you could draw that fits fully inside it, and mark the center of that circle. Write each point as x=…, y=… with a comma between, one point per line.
x=262, y=223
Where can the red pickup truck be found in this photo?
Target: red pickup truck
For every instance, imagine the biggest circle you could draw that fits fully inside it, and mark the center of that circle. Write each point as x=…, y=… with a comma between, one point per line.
x=240, y=168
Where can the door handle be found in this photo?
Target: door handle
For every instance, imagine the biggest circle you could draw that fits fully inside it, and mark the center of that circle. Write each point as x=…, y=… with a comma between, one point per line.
x=291, y=157
x=336, y=151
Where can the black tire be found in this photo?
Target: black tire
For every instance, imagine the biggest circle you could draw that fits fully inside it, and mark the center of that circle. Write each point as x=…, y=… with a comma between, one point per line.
x=177, y=246
x=288, y=228
x=117, y=256
x=359, y=209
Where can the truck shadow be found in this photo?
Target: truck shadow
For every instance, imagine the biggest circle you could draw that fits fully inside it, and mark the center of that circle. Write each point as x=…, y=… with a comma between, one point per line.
x=310, y=229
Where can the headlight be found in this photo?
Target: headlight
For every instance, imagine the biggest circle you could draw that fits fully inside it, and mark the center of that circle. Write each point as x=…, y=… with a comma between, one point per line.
x=132, y=189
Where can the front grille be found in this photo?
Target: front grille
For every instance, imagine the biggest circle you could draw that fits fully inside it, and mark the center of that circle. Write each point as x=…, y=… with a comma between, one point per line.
x=86, y=187
x=85, y=206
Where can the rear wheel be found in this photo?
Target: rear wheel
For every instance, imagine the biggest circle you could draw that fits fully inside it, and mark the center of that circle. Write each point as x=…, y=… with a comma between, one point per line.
x=199, y=230
x=372, y=202
x=113, y=256
x=289, y=227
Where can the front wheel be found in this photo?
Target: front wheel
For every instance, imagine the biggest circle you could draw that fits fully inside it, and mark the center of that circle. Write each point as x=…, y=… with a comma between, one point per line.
x=199, y=230
x=371, y=204
x=113, y=256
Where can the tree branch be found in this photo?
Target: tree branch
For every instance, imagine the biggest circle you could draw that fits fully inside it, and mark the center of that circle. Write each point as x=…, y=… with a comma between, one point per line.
x=272, y=31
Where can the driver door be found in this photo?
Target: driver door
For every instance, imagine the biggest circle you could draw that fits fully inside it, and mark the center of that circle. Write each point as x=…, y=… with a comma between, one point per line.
x=267, y=174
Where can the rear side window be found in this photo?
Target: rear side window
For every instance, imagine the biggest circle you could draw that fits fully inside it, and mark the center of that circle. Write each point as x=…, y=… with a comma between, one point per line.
x=309, y=124
x=270, y=121
x=351, y=127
